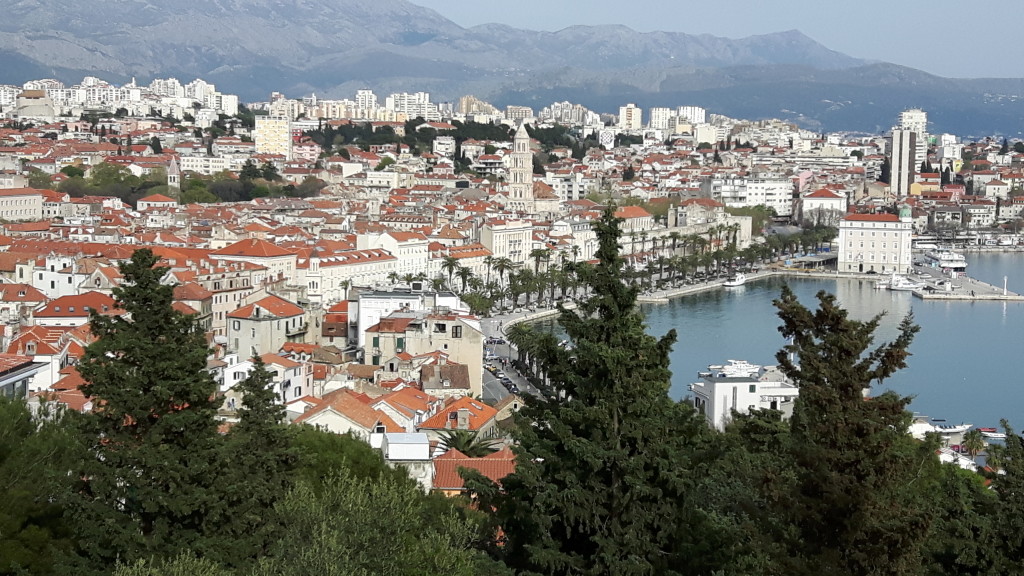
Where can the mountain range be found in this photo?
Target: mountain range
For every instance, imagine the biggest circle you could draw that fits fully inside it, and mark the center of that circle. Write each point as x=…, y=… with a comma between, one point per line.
x=333, y=47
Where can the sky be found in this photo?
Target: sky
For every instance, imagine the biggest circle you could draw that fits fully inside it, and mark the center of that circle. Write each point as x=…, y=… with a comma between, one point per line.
x=943, y=37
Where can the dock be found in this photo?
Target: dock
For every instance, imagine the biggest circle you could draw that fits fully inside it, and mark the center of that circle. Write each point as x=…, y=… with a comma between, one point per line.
x=941, y=287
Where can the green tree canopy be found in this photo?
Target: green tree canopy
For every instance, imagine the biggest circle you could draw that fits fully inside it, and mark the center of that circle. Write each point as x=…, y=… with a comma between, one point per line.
x=149, y=476
x=855, y=507
x=602, y=453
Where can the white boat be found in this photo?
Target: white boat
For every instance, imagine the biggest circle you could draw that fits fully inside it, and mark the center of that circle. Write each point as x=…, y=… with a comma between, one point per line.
x=992, y=434
x=946, y=259
x=737, y=279
x=921, y=426
x=902, y=283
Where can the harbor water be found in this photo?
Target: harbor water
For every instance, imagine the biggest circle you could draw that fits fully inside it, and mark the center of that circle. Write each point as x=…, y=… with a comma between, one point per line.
x=966, y=360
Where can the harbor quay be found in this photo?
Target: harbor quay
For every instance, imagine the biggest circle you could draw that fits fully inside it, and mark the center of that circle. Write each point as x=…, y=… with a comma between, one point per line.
x=936, y=285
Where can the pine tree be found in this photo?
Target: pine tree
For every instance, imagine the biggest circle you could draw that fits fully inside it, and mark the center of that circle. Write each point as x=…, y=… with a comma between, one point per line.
x=856, y=507
x=260, y=459
x=1009, y=485
x=603, y=453
x=148, y=479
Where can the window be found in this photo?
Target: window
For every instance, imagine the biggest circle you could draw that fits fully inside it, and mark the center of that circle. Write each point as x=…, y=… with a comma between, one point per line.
x=298, y=391
x=376, y=341
x=440, y=327
x=236, y=325
x=400, y=343
x=753, y=388
x=456, y=331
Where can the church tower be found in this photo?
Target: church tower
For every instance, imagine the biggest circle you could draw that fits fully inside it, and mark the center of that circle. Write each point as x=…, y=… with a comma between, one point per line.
x=520, y=176
x=174, y=179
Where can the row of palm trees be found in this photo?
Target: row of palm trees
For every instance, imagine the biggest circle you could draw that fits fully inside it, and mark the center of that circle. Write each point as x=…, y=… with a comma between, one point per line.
x=655, y=263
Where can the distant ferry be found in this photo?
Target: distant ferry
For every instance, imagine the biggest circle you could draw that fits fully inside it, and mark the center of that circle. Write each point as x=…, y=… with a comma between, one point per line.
x=946, y=259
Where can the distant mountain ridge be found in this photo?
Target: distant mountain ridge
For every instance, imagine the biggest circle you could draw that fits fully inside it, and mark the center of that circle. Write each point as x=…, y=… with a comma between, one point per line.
x=333, y=47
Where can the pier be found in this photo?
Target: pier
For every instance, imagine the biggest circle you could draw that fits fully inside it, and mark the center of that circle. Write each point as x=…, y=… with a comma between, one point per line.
x=941, y=287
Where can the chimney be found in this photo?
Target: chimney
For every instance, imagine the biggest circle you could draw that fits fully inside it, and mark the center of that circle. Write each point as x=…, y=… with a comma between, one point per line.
x=462, y=422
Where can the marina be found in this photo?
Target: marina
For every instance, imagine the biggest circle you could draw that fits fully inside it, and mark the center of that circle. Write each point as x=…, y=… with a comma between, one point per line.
x=961, y=362
x=960, y=367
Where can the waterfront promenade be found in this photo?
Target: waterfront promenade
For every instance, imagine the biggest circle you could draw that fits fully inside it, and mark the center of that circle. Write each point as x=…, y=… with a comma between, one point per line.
x=963, y=288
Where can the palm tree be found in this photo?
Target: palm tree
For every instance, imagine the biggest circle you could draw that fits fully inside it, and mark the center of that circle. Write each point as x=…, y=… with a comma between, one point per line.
x=464, y=274
x=488, y=262
x=974, y=443
x=467, y=442
x=449, y=264
x=674, y=236
x=502, y=266
x=539, y=254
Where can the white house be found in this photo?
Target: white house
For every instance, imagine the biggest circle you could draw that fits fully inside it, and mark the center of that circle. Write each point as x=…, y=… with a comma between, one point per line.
x=741, y=387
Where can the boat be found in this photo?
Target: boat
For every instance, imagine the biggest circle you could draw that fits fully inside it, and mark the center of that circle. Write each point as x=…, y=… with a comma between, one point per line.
x=992, y=434
x=947, y=259
x=737, y=279
x=921, y=426
x=902, y=283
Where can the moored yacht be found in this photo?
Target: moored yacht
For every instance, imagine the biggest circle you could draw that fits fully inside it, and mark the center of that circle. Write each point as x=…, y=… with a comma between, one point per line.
x=902, y=283
x=947, y=259
x=737, y=279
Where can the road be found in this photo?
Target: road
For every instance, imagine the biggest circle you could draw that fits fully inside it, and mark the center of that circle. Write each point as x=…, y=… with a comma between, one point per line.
x=493, y=390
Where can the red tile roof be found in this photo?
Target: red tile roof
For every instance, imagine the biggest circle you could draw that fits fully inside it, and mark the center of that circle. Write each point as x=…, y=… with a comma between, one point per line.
x=269, y=307
x=78, y=306
x=253, y=248
x=479, y=414
x=495, y=466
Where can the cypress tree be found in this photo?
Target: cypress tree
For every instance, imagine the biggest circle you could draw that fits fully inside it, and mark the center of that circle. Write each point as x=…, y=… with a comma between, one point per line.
x=858, y=505
x=149, y=476
x=260, y=460
x=603, y=454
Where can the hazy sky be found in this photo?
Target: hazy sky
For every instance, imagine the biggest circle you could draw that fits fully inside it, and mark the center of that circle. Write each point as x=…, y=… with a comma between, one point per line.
x=956, y=39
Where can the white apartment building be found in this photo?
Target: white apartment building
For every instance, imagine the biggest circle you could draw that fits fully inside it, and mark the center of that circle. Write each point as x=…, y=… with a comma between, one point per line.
x=518, y=113
x=762, y=190
x=878, y=242
x=630, y=117
x=371, y=306
x=412, y=105
x=410, y=249
x=328, y=278
x=705, y=133
x=366, y=99
x=17, y=204
x=571, y=184
x=273, y=135
x=694, y=114
x=660, y=118
x=512, y=239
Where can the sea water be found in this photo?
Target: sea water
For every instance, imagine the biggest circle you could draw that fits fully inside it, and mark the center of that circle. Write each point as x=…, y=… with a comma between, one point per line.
x=966, y=363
